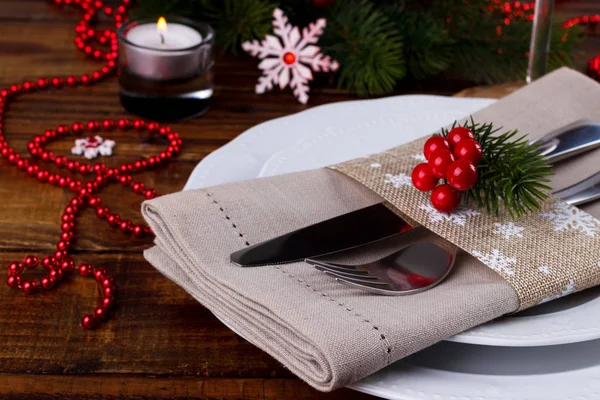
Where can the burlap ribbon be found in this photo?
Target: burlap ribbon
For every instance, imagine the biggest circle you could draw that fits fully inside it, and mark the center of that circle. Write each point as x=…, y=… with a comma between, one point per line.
x=543, y=255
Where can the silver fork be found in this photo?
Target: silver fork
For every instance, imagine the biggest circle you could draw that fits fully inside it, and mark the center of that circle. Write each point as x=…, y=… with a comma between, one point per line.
x=422, y=265
x=417, y=267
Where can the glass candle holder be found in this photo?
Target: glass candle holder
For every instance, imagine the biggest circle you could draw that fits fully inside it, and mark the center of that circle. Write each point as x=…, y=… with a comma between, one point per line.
x=165, y=68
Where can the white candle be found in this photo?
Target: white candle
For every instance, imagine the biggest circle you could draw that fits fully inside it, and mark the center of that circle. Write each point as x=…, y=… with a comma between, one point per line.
x=163, y=52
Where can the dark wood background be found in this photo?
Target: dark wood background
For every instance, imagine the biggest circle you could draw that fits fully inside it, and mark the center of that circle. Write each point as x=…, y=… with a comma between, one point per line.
x=160, y=343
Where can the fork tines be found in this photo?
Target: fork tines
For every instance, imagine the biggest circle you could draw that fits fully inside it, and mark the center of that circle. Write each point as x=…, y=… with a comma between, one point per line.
x=348, y=274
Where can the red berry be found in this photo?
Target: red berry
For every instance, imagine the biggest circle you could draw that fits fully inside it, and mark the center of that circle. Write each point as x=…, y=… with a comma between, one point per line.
x=469, y=150
x=445, y=199
x=434, y=143
x=439, y=161
x=423, y=178
x=459, y=133
x=462, y=174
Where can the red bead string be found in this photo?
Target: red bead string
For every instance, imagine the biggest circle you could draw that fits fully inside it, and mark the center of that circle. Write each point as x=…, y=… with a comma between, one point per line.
x=511, y=10
x=85, y=193
x=592, y=22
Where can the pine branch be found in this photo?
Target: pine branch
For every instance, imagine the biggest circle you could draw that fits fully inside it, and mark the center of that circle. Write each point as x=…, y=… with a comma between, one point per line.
x=427, y=44
x=512, y=173
x=366, y=44
x=237, y=21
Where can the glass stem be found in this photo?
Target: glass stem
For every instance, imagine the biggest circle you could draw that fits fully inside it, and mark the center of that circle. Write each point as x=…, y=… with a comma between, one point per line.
x=540, y=40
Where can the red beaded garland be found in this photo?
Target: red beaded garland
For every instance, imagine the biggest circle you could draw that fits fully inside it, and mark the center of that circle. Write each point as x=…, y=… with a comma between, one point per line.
x=59, y=264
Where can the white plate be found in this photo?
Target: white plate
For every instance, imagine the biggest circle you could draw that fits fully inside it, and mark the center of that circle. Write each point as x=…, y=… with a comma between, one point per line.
x=336, y=132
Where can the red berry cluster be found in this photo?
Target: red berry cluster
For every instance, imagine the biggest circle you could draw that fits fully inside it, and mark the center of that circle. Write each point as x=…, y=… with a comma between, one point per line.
x=454, y=159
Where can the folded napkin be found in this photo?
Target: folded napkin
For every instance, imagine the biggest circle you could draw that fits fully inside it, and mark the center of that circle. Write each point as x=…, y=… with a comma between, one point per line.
x=326, y=333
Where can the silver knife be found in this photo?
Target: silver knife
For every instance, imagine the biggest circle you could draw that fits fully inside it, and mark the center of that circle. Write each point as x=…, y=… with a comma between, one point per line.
x=377, y=222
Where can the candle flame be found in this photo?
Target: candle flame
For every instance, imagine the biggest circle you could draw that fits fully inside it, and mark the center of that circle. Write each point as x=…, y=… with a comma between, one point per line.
x=161, y=25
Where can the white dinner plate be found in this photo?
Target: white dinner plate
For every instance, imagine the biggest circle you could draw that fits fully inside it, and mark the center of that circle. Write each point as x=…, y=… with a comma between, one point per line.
x=336, y=132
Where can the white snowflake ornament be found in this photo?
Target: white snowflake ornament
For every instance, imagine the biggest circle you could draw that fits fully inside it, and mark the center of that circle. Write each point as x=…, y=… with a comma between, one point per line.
x=92, y=146
x=288, y=58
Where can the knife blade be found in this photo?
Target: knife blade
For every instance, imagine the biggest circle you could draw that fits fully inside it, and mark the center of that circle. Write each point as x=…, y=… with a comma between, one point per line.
x=344, y=232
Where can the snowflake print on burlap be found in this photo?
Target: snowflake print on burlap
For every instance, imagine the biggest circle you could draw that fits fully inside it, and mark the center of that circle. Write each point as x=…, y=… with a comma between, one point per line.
x=288, y=56
x=419, y=157
x=92, y=146
x=399, y=180
x=496, y=261
x=544, y=269
x=569, y=288
x=508, y=230
x=458, y=217
x=566, y=217
x=375, y=165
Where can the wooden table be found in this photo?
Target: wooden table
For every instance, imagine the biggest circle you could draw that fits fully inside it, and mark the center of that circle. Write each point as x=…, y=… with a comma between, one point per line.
x=160, y=344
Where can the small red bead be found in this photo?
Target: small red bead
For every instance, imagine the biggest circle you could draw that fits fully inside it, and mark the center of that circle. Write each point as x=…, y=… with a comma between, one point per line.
x=99, y=274
x=71, y=81
x=108, y=302
x=15, y=268
x=138, y=230
x=58, y=82
x=67, y=266
x=150, y=194
x=31, y=262
x=109, y=290
x=86, y=270
x=101, y=212
x=56, y=274
x=125, y=179
x=94, y=201
x=125, y=226
x=13, y=281
x=124, y=124
x=139, y=124
x=58, y=255
x=48, y=262
x=42, y=83
x=89, y=322
x=138, y=187
x=108, y=281
x=77, y=127
x=30, y=287
x=47, y=282
x=93, y=126
x=101, y=313
x=108, y=125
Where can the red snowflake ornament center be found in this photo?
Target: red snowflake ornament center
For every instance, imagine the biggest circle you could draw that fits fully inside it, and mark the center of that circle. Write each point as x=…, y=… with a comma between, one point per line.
x=289, y=58
x=91, y=143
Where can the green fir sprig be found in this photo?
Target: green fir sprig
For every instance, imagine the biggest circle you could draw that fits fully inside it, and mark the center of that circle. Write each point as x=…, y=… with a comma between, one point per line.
x=513, y=175
x=382, y=43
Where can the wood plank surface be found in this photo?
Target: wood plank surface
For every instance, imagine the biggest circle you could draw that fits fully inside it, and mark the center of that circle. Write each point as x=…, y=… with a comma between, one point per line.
x=160, y=343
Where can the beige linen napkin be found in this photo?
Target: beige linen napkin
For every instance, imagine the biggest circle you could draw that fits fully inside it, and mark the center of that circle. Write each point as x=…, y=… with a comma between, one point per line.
x=327, y=334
